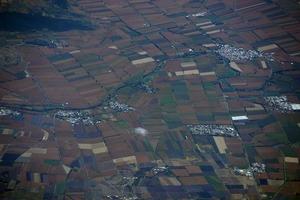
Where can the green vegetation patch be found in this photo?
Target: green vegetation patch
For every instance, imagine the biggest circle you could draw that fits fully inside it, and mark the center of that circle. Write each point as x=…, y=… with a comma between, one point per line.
x=148, y=146
x=205, y=116
x=23, y=195
x=179, y=87
x=212, y=95
x=215, y=182
x=172, y=121
x=182, y=97
x=174, y=149
x=167, y=100
x=122, y=124
x=293, y=176
x=225, y=72
x=278, y=137
x=289, y=125
x=293, y=132
x=288, y=151
x=206, y=60
x=272, y=170
x=60, y=57
x=180, y=90
x=251, y=152
x=208, y=86
x=60, y=188
x=20, y=75
x=128, y=91
x=130, y=32
x=52, y=162
x=271, y=161
x=88, y=58
x=170, y=146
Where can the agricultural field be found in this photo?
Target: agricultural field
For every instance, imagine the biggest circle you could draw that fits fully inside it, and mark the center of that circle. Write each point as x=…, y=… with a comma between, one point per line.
x=149, y=99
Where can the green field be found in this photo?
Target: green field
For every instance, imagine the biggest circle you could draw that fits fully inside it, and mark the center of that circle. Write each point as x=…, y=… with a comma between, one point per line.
x=215, y=182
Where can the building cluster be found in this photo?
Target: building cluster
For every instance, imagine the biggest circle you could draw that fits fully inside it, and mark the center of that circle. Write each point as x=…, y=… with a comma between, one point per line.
x=278, y=103
x=75, y=117
x=120, y=107
x=239, y=54
x=199, y=14
x=158, y=170
x=5, y=111
x=51, y=43
x=213, y=130
x=255, y=168
x=147, y=88
x=117, y=197
x=258, y=167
